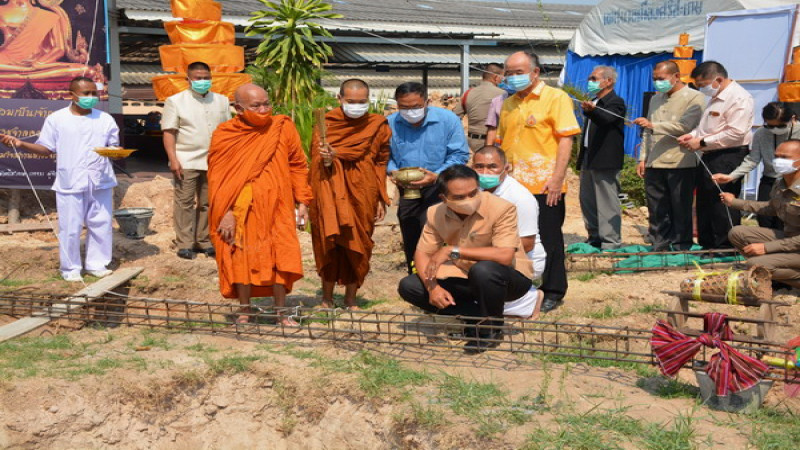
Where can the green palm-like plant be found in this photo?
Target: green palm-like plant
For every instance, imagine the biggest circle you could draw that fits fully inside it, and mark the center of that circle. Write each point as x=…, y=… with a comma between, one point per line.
x=290, y=48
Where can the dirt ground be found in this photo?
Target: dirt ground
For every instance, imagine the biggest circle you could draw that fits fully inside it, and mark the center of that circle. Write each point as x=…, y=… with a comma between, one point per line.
x=139, y=388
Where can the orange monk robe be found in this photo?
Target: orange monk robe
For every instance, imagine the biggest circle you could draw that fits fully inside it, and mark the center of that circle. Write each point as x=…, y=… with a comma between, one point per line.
x=260, y=173
x=346, y=195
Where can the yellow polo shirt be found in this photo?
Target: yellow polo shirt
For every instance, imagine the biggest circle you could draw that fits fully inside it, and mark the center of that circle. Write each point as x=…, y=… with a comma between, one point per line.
x=529, y=131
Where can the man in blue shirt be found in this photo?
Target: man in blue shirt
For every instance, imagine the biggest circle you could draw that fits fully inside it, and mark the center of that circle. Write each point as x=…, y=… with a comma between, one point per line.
x=427, y=137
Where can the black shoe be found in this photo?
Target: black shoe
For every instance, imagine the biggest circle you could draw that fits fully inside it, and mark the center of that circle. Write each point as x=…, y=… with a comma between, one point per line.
x=210, y=252
x=549, y=304
x=485, y=340
x=185, y=253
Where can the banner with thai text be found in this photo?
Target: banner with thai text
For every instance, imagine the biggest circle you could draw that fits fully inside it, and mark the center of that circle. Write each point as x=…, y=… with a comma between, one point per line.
x=43, y=45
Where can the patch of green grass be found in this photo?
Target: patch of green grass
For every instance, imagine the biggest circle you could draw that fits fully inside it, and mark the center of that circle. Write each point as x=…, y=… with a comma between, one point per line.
x=152, y=340
x=231, y=364
x=771, y=429
x=589, y=357
x=201, y=348
x=607, y=312
x=173, y=279
x=608, y=429
x=466, y=397
x=16, y=282
x=586, y=276
x=667, y=387
x=648, y=309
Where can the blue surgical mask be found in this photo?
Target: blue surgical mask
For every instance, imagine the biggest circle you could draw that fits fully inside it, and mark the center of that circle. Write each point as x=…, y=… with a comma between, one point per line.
x=519, y=82
x=502, y=85
x=87, y=102
x=201, y=86
x=662, y=86
x=593, y=87
x=488, y=180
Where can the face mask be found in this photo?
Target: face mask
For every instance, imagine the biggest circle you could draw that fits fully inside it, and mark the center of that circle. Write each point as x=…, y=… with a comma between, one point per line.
x=709, y=90
x=502, y=85
x=593, y=87
x=519, y=82
x=413, y=116
x=779, y=131
x=784, y=166
x=465, y=207
x=662, y=86
x=488, y=181
x=200, y=86
x=255, y=119
x=87, y=102
x=355, y=110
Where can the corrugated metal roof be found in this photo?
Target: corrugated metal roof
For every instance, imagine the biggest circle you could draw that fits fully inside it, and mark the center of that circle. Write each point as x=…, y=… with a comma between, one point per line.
x=443, y=12
x=433, y=54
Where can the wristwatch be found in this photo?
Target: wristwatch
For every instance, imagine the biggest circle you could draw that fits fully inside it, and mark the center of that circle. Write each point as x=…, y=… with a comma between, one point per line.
x=455, y=254
x=702, y=142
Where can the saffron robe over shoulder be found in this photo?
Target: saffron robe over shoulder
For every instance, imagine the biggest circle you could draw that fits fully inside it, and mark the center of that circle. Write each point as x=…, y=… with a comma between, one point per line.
x=259, y=174
x=347, y=193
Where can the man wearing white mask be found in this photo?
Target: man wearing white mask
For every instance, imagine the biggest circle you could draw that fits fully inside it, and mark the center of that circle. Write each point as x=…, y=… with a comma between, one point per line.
x=84, y=179
x=780, y=125
x=668, y=169
x=470, y=258
x=723, y=136
x=776, y=250
x=427, y=137
x=348, y=183
x=189, y=119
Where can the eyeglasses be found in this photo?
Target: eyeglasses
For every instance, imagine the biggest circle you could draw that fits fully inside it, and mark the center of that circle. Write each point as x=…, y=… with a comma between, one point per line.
x=772, y=127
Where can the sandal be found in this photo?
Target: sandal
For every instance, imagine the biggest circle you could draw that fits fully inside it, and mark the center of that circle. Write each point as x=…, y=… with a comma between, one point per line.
x=327, y=304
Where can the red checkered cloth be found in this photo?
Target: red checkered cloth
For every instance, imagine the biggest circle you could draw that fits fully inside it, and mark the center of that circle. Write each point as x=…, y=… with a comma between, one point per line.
x=731, y=370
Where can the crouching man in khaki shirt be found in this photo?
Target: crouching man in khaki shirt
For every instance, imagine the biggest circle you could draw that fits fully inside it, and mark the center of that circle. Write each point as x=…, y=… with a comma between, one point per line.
x=470, y=259
x=776, y=250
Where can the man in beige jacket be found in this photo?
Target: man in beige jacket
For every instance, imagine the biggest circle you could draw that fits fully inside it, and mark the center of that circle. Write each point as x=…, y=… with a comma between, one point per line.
x=668, y=169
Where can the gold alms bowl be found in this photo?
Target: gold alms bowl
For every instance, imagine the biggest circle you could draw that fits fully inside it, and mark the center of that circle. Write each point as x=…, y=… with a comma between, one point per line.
x=408, y=175
x=114, y=152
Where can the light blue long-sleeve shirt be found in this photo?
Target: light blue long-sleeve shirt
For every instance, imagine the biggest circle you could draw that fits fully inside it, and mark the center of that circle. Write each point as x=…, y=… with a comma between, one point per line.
x=435, y=145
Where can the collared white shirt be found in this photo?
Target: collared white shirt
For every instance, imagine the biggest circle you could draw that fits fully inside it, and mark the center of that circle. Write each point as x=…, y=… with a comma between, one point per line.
x=195, y=117
x=728, y=119
x=73, y=139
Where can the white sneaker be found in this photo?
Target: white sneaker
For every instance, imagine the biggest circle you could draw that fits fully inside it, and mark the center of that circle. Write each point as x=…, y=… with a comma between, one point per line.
x=99, y=273
x=72, y=277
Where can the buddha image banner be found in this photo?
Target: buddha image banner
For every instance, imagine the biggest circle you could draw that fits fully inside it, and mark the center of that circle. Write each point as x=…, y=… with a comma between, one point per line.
x=44, y=44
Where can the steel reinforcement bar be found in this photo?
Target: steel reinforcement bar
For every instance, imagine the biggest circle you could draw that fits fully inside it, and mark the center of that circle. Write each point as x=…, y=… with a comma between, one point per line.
x=553, y=340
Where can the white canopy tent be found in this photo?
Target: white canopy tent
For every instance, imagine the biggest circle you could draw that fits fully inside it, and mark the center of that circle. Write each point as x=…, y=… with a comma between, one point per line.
x=628, y=27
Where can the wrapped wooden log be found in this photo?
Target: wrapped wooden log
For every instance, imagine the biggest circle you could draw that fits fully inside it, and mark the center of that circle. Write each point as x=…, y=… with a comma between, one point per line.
x=754, y=282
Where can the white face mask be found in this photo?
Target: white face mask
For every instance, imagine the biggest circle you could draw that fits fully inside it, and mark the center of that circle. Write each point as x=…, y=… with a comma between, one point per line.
x=784, y=166
x=413, y=116
x=355, y=110
x=709, y=90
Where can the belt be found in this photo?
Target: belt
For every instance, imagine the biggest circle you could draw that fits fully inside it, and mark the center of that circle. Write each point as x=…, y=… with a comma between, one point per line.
x=476, y=136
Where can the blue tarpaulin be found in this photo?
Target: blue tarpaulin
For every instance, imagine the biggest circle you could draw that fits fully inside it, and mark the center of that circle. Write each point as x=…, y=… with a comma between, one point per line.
x=635, y=73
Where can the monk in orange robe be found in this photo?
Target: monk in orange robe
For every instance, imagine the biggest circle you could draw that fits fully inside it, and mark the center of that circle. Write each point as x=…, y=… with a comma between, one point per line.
x=257, y=176
x=348, y=179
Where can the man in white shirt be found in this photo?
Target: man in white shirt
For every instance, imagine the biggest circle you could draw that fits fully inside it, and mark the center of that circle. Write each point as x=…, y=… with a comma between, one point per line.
x=84, y=179
x=723, y=136
x=188, y=120
x=492, y=167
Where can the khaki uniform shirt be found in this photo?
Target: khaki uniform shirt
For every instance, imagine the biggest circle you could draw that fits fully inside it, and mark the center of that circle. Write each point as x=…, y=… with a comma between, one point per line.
x=478, y=101
x=195, y=117
x=494, y=224
x=672, y=116
x=783, y=202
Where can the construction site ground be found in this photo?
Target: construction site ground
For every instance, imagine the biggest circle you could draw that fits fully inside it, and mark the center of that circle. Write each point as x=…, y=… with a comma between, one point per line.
x=75, y=386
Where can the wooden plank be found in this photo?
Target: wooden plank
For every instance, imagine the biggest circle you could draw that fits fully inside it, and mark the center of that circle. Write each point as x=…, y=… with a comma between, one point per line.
x=22, y=227
x=94, y=290
x=731, y=318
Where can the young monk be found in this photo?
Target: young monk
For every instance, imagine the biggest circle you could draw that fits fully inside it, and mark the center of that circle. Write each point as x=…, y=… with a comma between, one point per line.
x=257, y=176
x=348, y=180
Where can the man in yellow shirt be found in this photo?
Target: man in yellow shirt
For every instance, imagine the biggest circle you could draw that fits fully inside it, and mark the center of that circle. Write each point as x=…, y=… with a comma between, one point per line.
x=536, y=129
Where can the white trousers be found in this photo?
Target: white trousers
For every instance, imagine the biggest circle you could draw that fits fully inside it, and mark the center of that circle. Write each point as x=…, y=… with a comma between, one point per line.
x=92, y=208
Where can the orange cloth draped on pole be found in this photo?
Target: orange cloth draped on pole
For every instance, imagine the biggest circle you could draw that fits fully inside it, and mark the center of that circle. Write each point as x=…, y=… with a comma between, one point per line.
x=346, y=195
x=260, y=174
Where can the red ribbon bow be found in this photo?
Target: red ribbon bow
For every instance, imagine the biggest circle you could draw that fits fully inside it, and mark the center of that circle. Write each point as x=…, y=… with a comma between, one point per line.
x=731, y=370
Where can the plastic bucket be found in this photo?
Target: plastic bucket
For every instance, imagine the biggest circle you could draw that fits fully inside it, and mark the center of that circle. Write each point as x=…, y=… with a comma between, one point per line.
x=745, y=401
x=134, y=222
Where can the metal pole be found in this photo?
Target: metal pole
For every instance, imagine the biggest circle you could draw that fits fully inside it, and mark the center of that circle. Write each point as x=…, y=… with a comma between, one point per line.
x=115, y=72
x=464, y=68
x=13, y=206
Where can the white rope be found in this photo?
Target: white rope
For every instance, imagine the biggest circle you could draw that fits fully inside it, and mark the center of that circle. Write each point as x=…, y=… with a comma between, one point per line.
x=41, y=205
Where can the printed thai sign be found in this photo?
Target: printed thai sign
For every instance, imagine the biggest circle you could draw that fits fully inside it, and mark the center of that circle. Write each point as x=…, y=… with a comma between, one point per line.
x=43, y=45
